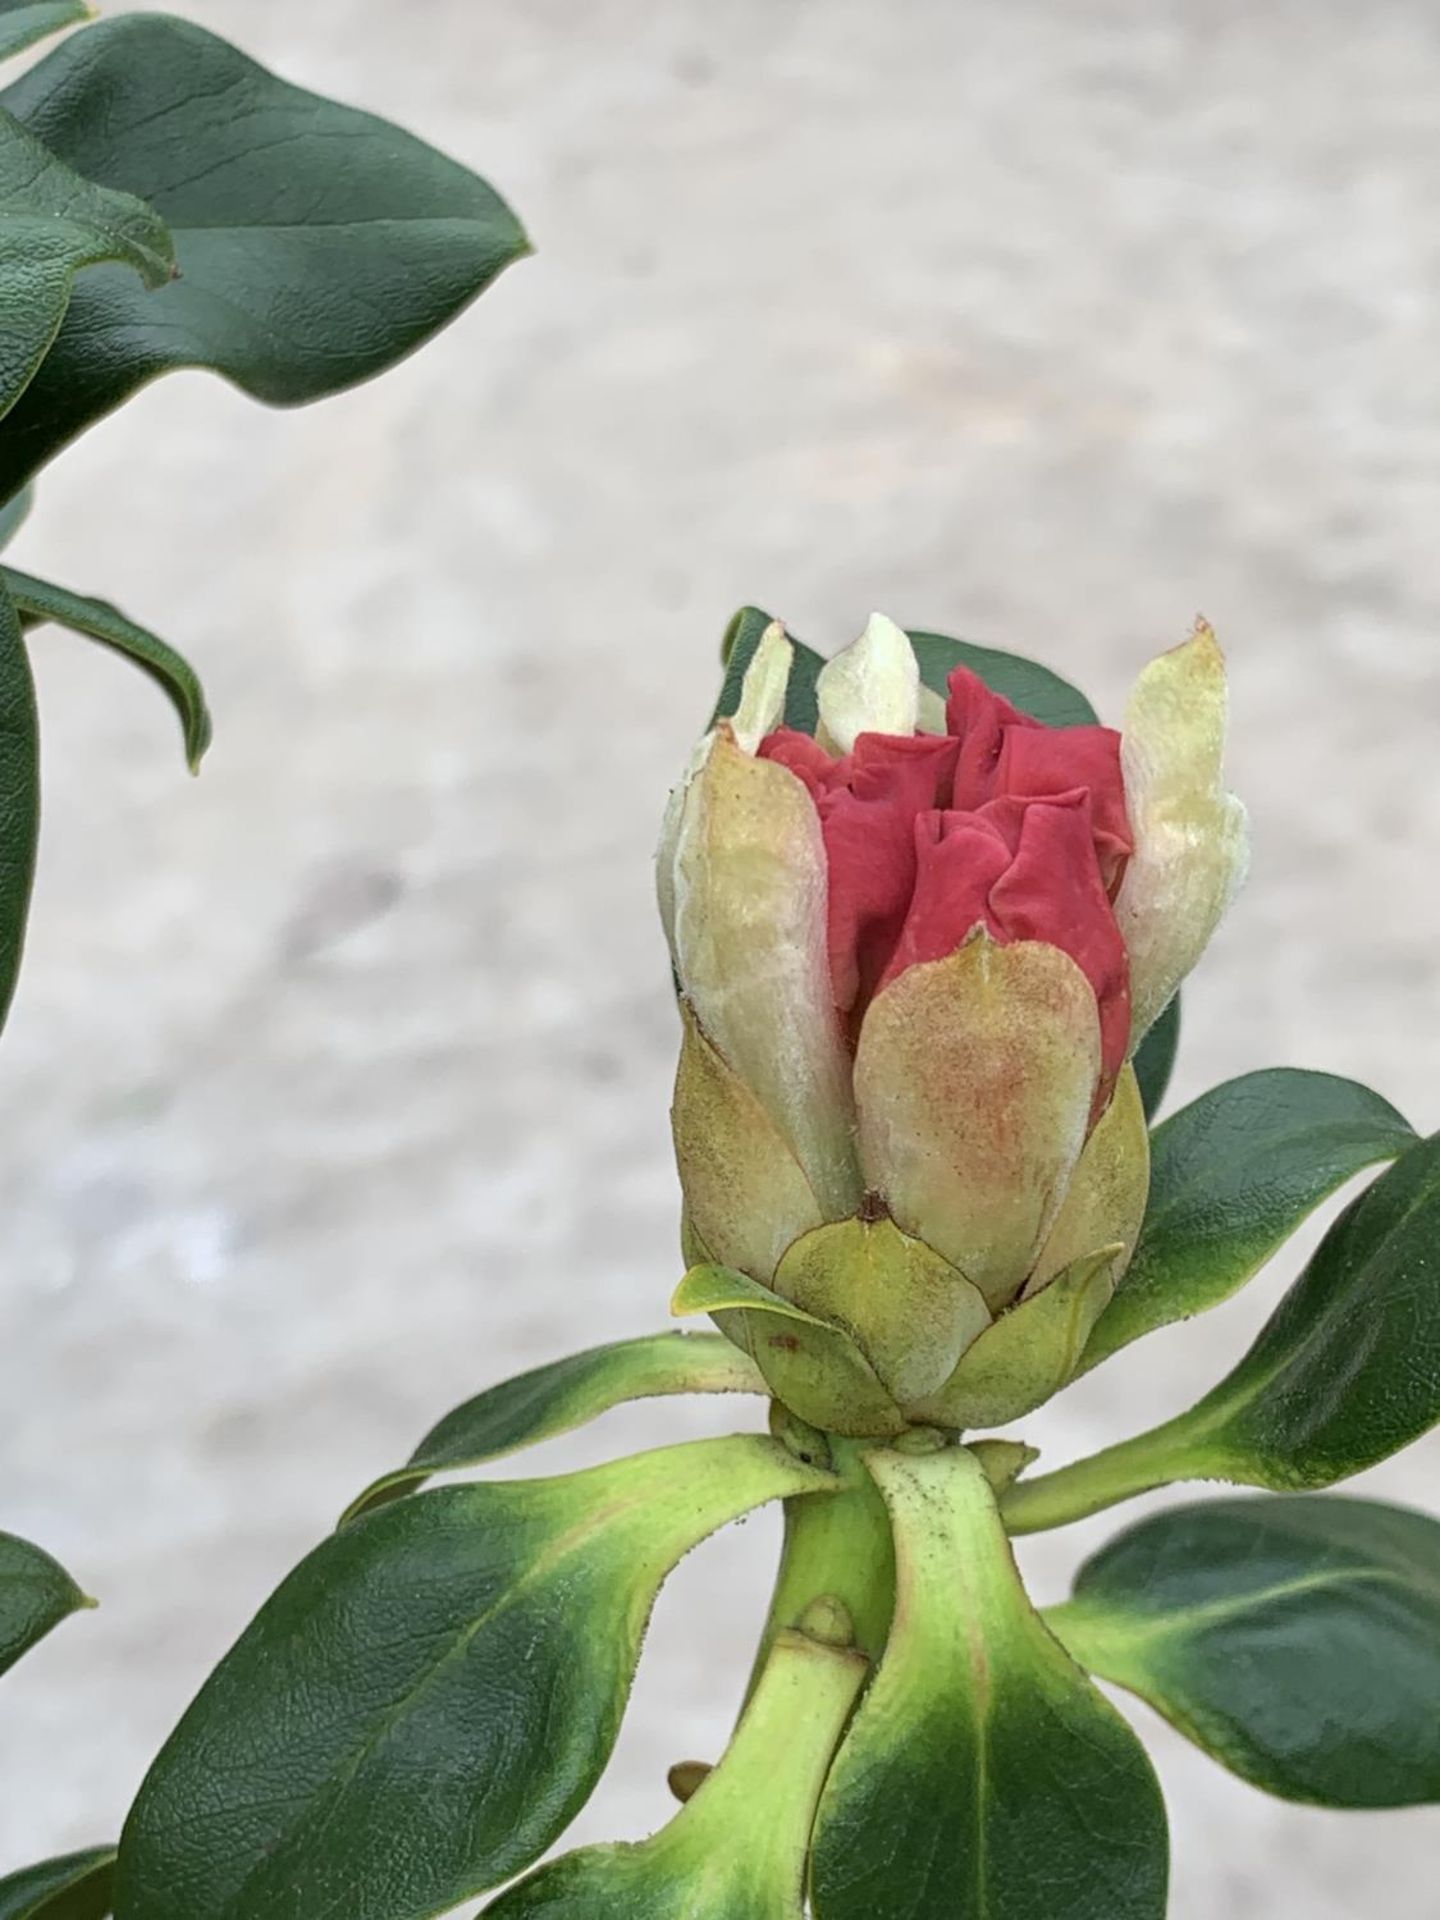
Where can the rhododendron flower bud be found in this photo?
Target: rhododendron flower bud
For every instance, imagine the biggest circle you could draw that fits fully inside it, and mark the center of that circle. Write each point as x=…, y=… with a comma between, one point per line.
x=913, y=965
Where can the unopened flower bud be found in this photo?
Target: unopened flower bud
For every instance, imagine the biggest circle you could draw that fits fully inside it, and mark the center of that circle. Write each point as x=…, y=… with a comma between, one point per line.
x=913, y=966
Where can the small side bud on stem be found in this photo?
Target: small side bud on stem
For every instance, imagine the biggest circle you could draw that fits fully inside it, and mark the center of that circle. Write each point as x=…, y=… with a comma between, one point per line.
x=829, y=1621
x=686, y=1778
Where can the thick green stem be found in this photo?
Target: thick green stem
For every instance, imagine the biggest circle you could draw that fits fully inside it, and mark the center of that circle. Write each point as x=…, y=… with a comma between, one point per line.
x=748, y=1825
x=837, y=1545
x=1121, y=1472
x=840, y=1545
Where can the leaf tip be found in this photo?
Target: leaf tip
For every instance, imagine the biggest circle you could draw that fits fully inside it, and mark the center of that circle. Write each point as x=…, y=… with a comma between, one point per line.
x=198, y=740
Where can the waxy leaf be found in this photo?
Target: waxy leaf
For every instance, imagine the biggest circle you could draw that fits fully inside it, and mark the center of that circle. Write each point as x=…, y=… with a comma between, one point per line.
x=19, y=795
x=984, y=1777
x=1343, y=1374
x=738, y=1848
x=1154, y=1060
x=1297, y=1640
x=36, y=1594
x=1231, y=1178
x=428, y=1700
x=567, y=1393
x=37, y=601
x=53, y=222
x=14, y=514
x=1025, y=683
x=23, y=22
x=76, y=1886
x=317, y=245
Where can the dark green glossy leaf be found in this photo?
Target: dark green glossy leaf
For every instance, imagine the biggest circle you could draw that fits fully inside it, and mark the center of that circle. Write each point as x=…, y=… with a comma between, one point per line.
x=1155, y=1058
x=1026, y=684
x=428, y=1700
x=19, y=796
x=1343, y=1374
x=39, y=600
x=14, y=514
x=36, y=1594
x=565, y=1394
x=1232, y=1176
x=53, y=222
x=719, y=1859
x=317, y=245
x=77, y=1886
x=23, y=22
x=1297, y=1640
x=984, y=1777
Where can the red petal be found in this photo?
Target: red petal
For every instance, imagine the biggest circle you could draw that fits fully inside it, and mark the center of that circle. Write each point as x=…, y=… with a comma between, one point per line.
x=1053, y=890
x=979, y=720
x=1003, y=822
x=808, y=761
x=1038, y=763
x=959, y=858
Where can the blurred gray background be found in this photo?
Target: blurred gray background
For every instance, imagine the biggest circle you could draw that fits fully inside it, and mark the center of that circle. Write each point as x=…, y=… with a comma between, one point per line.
x=337, y=1083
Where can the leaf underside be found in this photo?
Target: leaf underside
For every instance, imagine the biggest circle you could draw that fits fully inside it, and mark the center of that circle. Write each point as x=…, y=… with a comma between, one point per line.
x=984, y=1777
x=562, y=1395
x=317, y=244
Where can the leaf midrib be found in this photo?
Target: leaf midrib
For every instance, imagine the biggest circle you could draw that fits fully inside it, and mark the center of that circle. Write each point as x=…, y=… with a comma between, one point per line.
x=1238, y=1393
x=1132, y=1629
x=321, y=1806
x=711, y=1365
x=1163, y=1214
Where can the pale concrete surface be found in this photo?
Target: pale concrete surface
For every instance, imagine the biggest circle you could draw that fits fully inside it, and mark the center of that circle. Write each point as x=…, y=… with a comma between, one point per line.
x=337, y=1083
